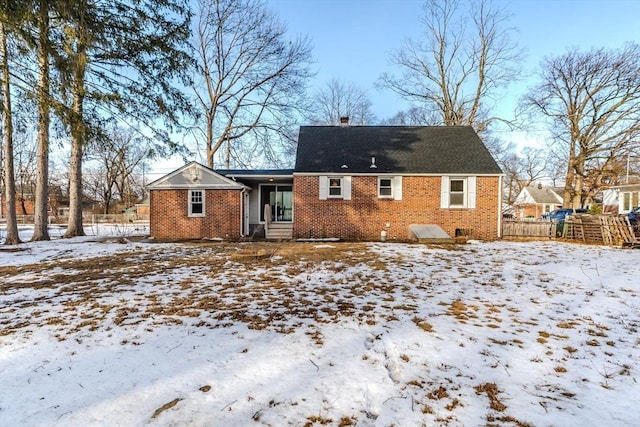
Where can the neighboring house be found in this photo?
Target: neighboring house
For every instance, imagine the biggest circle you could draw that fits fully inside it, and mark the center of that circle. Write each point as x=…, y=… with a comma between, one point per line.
x=142, y=210
x=620, y=199
x=25, y=202
x=533, y=202
x=349, y=182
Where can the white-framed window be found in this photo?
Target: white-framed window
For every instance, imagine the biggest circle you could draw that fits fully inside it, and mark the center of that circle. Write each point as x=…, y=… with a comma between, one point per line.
x=385, y=187
x=196, y=203
x=335, y=187
x=458, y=192
x=629, y=200
x=390, y=187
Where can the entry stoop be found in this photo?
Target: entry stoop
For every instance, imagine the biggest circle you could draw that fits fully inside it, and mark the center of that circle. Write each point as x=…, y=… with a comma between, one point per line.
x=279, y=231
x=429, y=233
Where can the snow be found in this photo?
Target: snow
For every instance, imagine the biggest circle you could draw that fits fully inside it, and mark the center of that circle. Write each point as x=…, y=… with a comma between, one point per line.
x=110, y=329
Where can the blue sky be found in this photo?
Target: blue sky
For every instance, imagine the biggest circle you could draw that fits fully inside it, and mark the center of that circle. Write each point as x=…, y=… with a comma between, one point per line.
x=352, y=39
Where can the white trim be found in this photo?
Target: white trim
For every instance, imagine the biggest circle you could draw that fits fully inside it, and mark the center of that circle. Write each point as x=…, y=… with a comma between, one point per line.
x=341, y=187
x=395, y=174
x=346, y=187
x=464, y=191
x=444, y=192
x=397, y=187
x=323, y=182
x=499, y=207
x=390, y=187
x=190, y=214
x=469, y=191
x=199, y=171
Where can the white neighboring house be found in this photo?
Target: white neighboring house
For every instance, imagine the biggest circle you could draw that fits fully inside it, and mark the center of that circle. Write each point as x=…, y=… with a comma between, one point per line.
x=533, y=202
x=620, y=199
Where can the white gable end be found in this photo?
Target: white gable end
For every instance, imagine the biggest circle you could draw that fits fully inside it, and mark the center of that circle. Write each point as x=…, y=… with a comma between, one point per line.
x=524, y=198
x=193, y=176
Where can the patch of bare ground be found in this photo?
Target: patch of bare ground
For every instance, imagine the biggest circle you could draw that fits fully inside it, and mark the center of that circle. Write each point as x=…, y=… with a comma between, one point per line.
x=265, y=285
x=491, y=390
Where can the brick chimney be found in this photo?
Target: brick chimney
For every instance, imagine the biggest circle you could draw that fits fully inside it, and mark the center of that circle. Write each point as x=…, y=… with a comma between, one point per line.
x=344, y=121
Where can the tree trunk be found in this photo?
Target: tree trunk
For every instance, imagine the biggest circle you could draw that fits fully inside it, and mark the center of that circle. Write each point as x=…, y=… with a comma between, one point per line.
x=12, y=237
x=578, y=180
x=41, y=231
x=75, y=227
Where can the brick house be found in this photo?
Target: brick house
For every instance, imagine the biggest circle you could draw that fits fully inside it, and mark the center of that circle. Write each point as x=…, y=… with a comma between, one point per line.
x=533, y=202
x=349, y=182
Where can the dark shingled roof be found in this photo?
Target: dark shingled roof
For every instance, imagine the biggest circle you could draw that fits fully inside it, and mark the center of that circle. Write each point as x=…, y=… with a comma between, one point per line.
x=397, y=149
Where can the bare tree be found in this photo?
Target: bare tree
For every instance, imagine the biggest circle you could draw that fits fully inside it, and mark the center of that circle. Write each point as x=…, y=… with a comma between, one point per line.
x=251, y=76
x=522, y=170
x=457, y=69
x=413, y=116
x=591, y=104
x=338, y=99
x=113, y=167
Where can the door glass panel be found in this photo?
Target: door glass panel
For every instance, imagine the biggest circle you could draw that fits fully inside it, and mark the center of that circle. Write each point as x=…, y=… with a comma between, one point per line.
x=280, y=198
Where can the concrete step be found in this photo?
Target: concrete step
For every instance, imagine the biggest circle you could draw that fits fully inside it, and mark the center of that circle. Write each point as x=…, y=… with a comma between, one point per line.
x=279, y=231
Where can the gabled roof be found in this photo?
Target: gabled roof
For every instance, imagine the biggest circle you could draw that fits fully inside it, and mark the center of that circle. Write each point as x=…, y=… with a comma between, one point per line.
x=396, y=149
x=195, y=176
x=540, y=195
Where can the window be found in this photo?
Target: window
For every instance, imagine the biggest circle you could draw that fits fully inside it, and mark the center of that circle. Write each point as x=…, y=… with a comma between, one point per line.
x=196, y=203
x=629, y=201
x=335, y=187
x=458, y=192
x=385, y=187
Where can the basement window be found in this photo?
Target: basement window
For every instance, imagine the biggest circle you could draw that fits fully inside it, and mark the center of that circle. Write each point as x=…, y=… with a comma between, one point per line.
x=196, y=203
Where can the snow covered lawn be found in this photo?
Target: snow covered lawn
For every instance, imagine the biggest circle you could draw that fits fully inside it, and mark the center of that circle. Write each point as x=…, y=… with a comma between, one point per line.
x=97, y=331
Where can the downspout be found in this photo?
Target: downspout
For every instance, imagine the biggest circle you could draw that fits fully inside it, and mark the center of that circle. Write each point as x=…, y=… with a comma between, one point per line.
x=500, y=207
x=242, y=192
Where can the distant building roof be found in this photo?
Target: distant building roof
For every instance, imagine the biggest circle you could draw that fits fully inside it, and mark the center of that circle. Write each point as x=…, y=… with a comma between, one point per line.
x=545, y=195
x=393, y=149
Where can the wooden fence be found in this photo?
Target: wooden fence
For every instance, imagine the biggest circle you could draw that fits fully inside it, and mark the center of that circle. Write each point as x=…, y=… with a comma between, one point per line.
x=605, y=229
x=527, y=229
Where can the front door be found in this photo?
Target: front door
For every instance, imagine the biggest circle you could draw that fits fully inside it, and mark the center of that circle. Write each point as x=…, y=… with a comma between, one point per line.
x=280, y=198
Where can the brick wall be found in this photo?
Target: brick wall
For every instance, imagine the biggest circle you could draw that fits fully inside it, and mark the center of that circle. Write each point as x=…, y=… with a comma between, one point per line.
x=169, y=215
x=365, y=215
x=532, y=210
